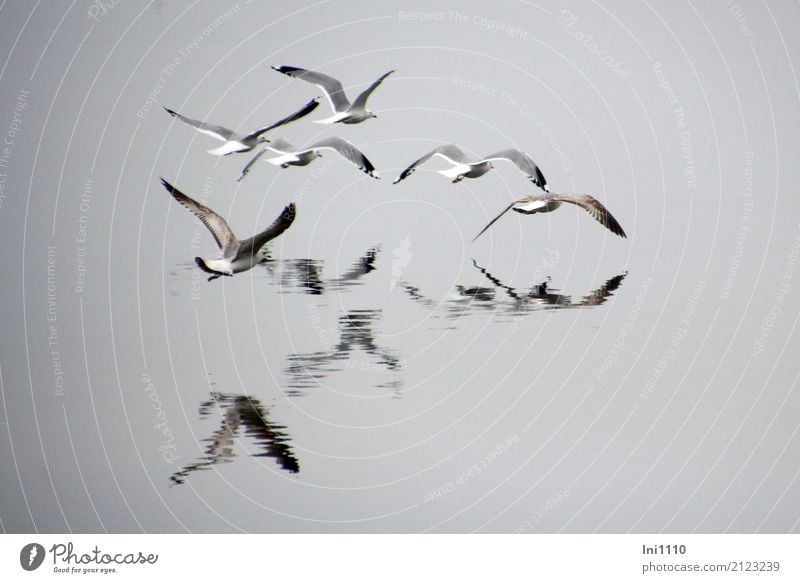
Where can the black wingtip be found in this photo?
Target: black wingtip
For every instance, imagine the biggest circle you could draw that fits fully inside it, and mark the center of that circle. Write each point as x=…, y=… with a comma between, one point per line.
x=289, y=212
x=370, y=169
x=285, y=69
x=169, y=111
x=615, y=227
x=541, y=181
x=167, y=185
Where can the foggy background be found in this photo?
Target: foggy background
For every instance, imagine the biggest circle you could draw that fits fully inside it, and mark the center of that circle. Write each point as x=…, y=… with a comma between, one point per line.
x=381, y=373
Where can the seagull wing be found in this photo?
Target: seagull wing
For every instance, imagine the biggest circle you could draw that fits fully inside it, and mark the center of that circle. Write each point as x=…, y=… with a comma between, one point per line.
x=524, y=162
x=595, y=208
x=219, y=132
x=494, y=220
x=281, y=146
x=332, y=87
x=449, y=152
x=252, y=161
x=216, y=224
x=252, y=245
x=306, y=109
x=361, y=100
x=346, y=149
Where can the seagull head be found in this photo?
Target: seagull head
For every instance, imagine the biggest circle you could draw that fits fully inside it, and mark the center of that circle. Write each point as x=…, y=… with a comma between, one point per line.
x=263, y=140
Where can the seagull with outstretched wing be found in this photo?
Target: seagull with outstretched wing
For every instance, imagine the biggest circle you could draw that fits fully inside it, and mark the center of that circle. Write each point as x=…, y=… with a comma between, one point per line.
x=548, y=202
x=237, y=256
x=344, y=111
x=236, y=143
x=464, y=168
x=288, y=155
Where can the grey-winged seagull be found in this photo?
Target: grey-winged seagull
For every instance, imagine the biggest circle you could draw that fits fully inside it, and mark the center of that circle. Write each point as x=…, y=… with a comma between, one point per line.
x=291, y=156
x=548, y=202
x=344, y=111
x=237, y=256
x=235, y=143
x=463, y=168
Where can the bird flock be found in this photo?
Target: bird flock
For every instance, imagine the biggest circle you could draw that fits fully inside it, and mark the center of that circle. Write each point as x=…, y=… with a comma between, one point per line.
x=241, y=255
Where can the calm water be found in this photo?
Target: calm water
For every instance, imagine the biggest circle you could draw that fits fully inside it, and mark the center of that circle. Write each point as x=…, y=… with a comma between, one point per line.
x=378, y=372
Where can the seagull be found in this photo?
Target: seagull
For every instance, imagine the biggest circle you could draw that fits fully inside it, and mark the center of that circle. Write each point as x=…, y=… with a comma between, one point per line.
x=235, y=143
x=344, y=111
x=463, y=168
x=290, y=156
x=237, y=256
x=545, y=203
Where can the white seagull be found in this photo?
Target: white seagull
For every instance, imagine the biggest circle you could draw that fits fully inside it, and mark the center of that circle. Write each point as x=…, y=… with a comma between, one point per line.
x=234, y=142
x=463, y=168
x=548, y=202
x=237, y=256
x=291, y=156
x=344, y=111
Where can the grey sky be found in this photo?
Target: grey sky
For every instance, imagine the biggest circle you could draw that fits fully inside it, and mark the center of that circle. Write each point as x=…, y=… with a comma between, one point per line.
x=670, y=407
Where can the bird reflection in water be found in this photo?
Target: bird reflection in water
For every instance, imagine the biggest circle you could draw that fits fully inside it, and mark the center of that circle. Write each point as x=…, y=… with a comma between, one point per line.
x=356, y=330
x=305, y=275
x=462, y=300
x=541, y=296
x=467, y=300
x=242, y=416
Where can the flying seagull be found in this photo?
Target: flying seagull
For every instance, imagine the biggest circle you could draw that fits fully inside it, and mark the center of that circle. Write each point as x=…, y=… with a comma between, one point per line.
x=548, y=202
x=235, y=143
x=291, y=156
x=463, y=168
x=344, y=111
x=237, y=256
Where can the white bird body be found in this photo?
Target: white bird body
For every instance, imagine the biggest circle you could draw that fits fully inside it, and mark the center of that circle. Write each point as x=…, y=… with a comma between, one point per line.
x=461, y=171
x=224, y=266
x=537, y=205
x=343, y=117
x=293, y=159
x=234, y=146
